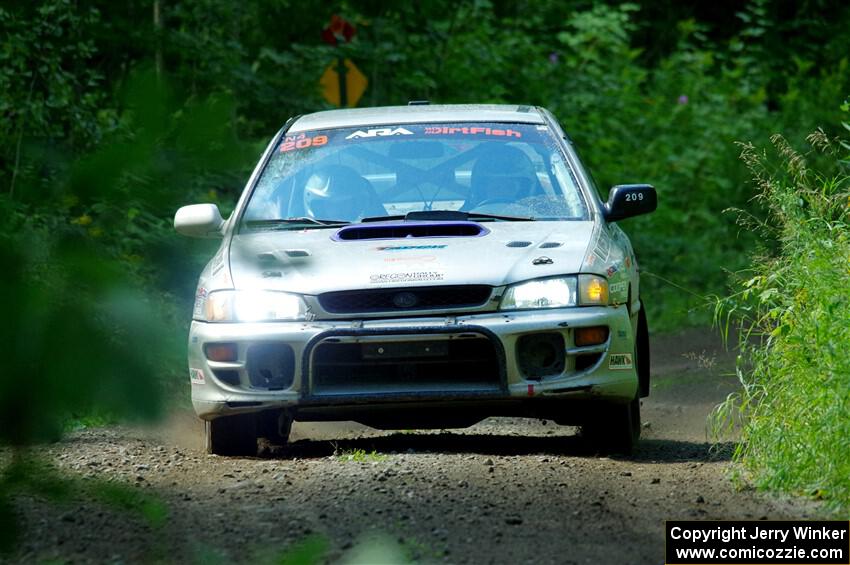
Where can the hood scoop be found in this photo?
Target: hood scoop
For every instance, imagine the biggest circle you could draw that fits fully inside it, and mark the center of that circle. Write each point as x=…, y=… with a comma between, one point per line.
x=405, y=230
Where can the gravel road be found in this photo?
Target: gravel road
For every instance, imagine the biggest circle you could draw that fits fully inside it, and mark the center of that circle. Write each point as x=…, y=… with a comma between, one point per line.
x=503, y=491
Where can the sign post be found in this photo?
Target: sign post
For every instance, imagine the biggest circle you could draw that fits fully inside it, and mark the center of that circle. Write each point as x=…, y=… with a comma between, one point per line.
x=341, y=71
x=342, y=82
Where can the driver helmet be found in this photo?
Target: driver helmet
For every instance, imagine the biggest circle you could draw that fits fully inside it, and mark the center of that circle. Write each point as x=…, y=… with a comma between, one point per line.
x=502, y=173
x=335, y=192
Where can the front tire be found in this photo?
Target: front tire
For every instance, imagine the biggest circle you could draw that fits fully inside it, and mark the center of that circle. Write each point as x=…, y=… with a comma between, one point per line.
x=274, y=426
x=615, y=428
x=232, y=435
x=642, y=352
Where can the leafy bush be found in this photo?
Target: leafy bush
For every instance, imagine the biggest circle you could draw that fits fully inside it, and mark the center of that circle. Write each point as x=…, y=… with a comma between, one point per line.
x=793, y=310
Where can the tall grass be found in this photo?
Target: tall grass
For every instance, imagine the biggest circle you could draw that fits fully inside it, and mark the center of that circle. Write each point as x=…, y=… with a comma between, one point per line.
x=793, y=307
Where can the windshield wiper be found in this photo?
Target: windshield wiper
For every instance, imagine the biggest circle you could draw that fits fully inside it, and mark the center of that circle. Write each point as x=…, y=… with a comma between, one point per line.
x=447, y=215
x=288, y=223
x=480, y=216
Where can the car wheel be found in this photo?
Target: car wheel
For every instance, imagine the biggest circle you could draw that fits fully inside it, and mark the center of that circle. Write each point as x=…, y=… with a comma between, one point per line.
x=232, y=435
x=615, y=428
x=642, y=352
x=274, y=426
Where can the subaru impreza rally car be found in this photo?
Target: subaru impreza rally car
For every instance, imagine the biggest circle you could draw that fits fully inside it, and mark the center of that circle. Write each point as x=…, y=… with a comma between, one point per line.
x=422, y=266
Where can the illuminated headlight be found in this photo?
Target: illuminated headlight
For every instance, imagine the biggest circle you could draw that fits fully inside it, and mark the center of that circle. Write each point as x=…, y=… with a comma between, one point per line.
x=253, y=306
x=544, y=293
x=584, y=290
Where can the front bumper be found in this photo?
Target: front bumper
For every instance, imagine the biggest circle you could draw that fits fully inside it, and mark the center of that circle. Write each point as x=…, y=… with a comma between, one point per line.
x=592, y=372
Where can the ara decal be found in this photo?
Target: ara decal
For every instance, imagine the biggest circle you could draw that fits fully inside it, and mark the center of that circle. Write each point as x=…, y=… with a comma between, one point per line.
x=378, y=132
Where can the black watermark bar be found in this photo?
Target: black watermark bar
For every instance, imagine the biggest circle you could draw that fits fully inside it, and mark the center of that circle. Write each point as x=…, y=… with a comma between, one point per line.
x=800, y=542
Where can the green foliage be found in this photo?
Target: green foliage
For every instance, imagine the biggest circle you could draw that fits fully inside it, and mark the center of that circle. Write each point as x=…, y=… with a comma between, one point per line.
x=793, y=311
x=360, y=456
x=67, y=298
x=675, y=127
x=49, y=88
x=306, y=552
x=82, y=249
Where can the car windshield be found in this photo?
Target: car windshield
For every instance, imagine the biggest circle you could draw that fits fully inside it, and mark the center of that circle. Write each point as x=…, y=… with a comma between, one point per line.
x=321, y=178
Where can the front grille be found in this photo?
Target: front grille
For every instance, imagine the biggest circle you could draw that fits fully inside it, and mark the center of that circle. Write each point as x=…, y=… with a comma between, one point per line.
x=405, y=299
x=419, y=366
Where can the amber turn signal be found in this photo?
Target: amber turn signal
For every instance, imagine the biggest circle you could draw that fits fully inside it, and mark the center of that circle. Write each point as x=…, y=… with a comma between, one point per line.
x=221, y=351
x=591, y=336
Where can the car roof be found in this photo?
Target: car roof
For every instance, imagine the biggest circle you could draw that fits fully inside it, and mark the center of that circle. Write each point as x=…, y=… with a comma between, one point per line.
x=419, y=113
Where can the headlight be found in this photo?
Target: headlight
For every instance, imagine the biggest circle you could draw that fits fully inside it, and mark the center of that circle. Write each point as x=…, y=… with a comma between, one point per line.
x=584, y=290
x=545, y=293
x=253, y=306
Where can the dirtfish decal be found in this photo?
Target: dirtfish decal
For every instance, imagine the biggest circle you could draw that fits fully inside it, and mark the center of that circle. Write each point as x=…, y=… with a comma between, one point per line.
x=380, y=132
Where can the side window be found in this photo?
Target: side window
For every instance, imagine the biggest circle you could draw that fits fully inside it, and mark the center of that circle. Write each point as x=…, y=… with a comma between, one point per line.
x=589, y=174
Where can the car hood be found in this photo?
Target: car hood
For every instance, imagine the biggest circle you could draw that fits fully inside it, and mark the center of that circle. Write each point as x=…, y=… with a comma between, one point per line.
x=314, y=261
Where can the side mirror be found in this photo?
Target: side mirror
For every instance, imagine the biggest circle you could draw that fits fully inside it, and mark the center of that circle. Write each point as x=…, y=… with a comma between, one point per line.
x=627, y=200
x=198, y=220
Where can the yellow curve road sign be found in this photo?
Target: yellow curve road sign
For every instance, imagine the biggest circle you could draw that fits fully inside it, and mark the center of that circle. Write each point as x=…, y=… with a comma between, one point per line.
x=336, y=91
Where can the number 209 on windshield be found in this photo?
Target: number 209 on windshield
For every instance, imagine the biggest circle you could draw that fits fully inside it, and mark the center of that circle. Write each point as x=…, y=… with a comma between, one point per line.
x=302, y=142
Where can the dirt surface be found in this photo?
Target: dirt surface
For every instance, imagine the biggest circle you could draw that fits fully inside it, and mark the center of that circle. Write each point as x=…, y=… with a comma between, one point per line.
x=503, y=491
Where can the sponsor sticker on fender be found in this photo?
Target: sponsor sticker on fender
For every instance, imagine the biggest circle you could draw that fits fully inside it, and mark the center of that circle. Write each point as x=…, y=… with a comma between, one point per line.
x=200, y=302
x=618, y=361
x=196, y=376
x=618, y=288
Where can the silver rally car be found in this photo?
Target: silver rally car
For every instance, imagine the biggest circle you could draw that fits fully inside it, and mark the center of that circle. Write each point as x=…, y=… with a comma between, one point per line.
x=422, y=266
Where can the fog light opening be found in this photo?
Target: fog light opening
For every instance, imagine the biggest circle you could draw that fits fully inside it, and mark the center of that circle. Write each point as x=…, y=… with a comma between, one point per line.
x=221, y=352
x=227, y=376
x=594, y=335
x=271, y=366
x=540, y=355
